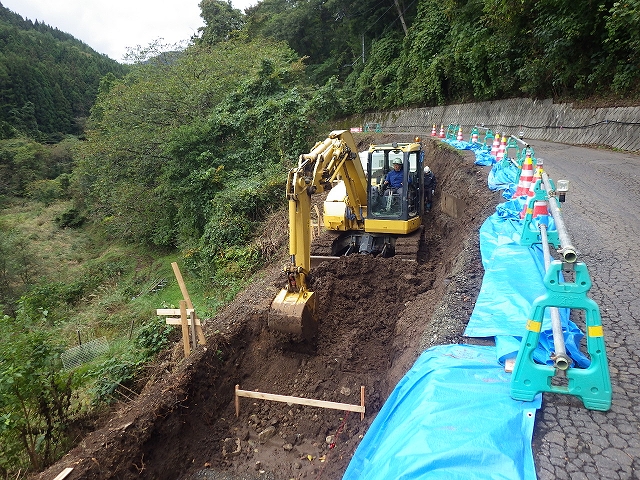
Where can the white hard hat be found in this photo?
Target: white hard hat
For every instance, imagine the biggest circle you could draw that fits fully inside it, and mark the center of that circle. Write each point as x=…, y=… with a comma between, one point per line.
x=397, y=161
x=426, y=169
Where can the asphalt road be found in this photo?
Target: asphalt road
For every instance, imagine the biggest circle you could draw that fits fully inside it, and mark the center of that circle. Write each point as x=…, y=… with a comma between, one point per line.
x=602, y=217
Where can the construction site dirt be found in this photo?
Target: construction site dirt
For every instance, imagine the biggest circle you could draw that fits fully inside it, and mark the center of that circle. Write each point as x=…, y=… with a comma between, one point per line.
x=376, y=317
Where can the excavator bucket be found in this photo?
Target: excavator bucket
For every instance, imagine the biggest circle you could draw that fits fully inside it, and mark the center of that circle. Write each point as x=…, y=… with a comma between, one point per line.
x=294, y=312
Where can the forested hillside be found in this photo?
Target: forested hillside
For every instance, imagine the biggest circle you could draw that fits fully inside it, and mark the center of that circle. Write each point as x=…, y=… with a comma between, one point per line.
x=48, y=79
x=184, y=156
x=427, y=52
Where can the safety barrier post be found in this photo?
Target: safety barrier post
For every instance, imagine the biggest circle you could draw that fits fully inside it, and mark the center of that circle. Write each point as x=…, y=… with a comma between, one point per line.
x=591, y=384
x=474, y=135
x=452, y=131
x=530, y=233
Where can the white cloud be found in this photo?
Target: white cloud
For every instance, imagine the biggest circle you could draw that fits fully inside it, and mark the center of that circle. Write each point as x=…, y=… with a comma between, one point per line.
x=110, y=27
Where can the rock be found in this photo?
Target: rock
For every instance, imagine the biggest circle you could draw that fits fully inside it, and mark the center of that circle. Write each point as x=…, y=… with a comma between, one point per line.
x=231, y=447
x=329, y=439
x=297, y=466
x=346, y=391
x=266, y=434
x=287, y=447
x=258, y=465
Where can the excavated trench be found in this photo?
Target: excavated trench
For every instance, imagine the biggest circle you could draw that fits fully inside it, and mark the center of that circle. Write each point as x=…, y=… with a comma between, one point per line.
x=376, y=316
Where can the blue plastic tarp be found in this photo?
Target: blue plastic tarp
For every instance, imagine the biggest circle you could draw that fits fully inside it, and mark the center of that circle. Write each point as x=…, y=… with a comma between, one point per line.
x=503, y=176
x=513, y=279
x=483, y=157
x=450, y=417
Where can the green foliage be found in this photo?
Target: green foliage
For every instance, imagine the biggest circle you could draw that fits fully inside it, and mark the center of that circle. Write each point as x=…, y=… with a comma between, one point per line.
x=113, y=373
x=45, y=191
x=71, y=218
x=154, y=337
x=220, y=138
x=622, y=46
x=17, y=268
x=29, y=168
x=220, y=19
x=35, y=397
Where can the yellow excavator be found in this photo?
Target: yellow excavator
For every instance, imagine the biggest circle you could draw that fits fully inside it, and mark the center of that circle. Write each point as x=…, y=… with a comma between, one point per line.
x=367, y=213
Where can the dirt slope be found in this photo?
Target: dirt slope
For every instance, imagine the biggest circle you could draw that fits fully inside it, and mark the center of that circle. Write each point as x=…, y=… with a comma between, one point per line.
x=377, y=316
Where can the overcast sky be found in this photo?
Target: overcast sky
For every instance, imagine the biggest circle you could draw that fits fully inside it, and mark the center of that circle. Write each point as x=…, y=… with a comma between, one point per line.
x=110, y=26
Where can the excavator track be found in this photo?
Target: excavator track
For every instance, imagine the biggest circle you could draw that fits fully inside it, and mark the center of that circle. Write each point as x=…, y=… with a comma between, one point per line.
x=408, y=246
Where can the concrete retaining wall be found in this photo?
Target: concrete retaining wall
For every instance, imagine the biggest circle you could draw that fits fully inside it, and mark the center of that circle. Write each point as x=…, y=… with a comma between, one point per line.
x=617, y=127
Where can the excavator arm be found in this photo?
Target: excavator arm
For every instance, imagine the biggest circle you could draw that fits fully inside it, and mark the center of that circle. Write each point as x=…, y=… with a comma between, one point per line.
x=294, y=308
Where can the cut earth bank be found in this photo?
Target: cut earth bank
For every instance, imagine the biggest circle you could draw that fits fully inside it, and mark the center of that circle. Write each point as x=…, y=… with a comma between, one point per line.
x=376, y=317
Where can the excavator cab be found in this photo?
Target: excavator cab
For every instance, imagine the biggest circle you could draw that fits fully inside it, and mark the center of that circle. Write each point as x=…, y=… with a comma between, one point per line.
x=394, y=210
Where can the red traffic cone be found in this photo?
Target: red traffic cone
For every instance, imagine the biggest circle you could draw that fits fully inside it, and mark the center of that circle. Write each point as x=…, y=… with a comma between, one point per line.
x=474, y=137
x=496, y=145
x=459, y=137
x=502, y=148
x=526, y=175
x=433, y=131
x=442, y=135
x=539, y=206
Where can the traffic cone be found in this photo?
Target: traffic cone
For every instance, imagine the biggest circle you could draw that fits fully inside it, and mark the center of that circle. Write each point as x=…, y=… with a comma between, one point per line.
x=442, y=135
x=537, y=175
x=496, y=145
x=459, y=137
x=526, y=175
x=433, y=131
x=474, y=137
x=502, y=148
x=539, y=206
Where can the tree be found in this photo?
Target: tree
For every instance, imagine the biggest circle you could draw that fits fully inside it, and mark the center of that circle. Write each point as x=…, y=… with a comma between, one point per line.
x=220, y=19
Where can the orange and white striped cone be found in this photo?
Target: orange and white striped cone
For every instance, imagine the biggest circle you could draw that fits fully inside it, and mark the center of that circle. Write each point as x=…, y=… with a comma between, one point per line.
x=501, y=149
x=459, y=137
x=433, y=131
x=537, y=175
x=539, y=206
x=442, y=135
x=526, y=175
x=496, y=145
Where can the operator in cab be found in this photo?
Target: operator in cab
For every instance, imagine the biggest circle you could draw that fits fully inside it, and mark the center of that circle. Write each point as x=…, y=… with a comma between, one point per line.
x=394, y=177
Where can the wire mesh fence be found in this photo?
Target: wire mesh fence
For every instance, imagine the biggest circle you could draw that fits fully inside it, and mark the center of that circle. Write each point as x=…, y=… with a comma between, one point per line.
x=76, y=356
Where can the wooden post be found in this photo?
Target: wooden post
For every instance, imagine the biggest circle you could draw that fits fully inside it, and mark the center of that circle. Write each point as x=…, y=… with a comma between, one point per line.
x=237, y=401
x=192, y=328
x=362, y=402
x=185, y=295
x=185, y=328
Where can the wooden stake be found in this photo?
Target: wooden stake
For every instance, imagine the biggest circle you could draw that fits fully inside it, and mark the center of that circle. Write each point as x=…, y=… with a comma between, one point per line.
x=192, y=328
x=301, y=401
x=185, y=295
x=237, y=401
x=185, y=328
x=64, y=473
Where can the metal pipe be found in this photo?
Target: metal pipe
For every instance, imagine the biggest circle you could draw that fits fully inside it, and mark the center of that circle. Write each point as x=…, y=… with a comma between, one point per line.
x=519, y=140
x=560, y=358
x=567, y=249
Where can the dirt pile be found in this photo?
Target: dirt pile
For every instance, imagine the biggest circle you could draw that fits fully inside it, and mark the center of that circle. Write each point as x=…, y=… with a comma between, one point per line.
x=377, y=316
